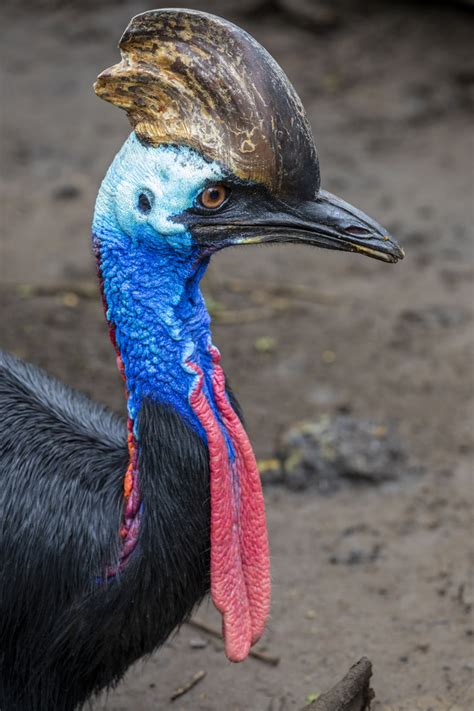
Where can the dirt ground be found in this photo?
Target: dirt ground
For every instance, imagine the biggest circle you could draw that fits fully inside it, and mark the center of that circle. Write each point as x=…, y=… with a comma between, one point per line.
x=389, y=88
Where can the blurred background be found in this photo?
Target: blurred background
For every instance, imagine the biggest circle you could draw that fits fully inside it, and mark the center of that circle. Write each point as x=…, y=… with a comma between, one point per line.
x=370, y=554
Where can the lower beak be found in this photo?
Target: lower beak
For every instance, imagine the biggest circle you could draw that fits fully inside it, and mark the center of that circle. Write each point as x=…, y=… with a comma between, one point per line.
x=326, y=222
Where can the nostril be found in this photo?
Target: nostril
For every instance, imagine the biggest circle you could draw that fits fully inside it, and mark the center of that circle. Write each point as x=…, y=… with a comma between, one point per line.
x=356, y=231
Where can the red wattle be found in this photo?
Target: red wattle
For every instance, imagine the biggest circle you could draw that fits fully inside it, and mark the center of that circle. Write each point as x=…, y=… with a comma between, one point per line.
x=240, y=563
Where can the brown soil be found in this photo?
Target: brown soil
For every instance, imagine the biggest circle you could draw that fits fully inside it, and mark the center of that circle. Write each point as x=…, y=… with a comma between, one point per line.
x=389, y=90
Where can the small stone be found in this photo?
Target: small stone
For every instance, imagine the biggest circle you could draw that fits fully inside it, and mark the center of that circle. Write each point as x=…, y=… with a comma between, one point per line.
x=70, y=300
x=359, y=552
x=333, y=450
x=310, y=615
x=465, y=595
x=197, y=643
x=66, y=192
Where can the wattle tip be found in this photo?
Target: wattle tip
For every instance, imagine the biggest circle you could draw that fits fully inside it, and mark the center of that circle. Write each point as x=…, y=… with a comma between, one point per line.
x=237, y=652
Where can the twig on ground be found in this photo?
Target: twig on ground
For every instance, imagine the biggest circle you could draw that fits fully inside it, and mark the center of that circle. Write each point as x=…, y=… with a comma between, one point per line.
x=261, y=656
x=298, y=291
x=352, y=693
x=270, y=296
x=82, y=289
x=196, y=678
x=232, y=316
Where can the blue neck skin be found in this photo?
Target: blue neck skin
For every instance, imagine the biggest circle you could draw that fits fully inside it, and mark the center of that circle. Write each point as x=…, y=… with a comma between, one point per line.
x=151, y=271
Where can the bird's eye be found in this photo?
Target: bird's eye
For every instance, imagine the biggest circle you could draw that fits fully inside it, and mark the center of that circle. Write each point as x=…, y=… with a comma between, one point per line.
x=144, y=203
x=213, y=196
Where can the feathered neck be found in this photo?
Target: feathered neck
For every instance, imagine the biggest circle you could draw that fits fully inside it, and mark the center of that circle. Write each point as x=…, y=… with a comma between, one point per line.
x=161, y=330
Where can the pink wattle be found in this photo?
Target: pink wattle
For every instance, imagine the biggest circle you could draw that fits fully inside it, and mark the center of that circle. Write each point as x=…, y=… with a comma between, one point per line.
x=240, y=562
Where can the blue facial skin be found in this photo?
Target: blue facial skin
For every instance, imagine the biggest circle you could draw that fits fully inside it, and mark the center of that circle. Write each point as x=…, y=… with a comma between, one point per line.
x=151, y=271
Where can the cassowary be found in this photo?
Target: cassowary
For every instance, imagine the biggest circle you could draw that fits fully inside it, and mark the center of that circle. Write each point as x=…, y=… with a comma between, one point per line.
x=111, y=533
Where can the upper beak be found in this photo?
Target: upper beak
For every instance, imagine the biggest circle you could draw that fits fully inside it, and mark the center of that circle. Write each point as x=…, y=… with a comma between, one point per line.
x=327, y=221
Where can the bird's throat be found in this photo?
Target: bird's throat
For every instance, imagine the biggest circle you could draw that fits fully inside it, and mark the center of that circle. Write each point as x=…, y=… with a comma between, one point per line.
x=160, y=329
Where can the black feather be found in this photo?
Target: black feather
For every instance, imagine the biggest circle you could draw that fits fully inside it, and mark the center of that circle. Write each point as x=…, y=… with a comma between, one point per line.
x=66, y=631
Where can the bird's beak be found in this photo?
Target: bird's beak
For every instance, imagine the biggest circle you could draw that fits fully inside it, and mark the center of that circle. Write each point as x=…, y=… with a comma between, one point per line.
x=327, y=221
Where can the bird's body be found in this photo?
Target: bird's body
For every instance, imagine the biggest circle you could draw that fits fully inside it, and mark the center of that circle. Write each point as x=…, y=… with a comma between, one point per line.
x=72, y=456
x=66, y=631
x=112, y=531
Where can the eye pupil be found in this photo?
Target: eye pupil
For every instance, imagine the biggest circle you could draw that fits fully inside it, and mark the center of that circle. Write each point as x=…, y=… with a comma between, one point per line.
x=213, y=197
x=144, y=204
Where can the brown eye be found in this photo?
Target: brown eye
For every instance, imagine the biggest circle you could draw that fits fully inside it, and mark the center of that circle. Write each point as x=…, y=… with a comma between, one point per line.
x=213, y=196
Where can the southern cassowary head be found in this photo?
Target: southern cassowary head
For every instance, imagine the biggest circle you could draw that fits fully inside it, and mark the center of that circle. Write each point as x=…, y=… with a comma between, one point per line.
x=222, y=152
x=221, y=155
